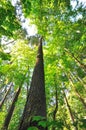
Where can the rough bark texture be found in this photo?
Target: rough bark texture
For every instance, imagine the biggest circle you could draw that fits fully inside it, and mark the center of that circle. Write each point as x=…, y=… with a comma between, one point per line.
x=36, y=101
x=11, y=109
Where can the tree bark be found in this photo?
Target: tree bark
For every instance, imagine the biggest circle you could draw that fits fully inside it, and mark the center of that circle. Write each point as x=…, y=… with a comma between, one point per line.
x=2, y=102
x=11, y=109
x=36, y=101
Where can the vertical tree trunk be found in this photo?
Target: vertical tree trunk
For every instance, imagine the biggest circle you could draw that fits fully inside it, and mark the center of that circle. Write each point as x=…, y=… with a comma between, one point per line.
x=76, y=77
x=2, y=102
x=70, y=112
x=77, y=93
x=11, y=109
x=36, y=101
x=80, y=98
x=56, y=105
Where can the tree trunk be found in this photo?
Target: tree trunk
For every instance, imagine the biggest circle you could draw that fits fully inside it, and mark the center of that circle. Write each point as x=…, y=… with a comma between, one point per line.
x=80, y=98
x=11, y=109
x=36, y=101
x=56, y=105
x=70, y=112
x=76, y=77
x=2, y=102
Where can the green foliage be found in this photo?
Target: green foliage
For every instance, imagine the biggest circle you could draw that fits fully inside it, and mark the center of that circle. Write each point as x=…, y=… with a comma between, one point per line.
x=4, y=56
x=26, y=4
x=37, y=118
x=43, y=124
x=41, y=121
x=33, y=128
x=8, y=21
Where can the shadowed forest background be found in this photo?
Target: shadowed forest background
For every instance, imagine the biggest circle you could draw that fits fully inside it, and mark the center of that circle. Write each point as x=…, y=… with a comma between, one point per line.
x=42, y=65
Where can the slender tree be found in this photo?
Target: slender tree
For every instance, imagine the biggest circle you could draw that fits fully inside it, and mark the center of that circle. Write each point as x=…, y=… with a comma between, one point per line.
x=36, y=101
x=7, y=92
x=11, y=109
x=56, y=103
x=81, y=99
x=76, y=60
x=70, y=111
x=77, y=93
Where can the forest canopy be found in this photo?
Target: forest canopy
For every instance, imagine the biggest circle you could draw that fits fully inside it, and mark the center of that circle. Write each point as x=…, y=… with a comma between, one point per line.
x=52, y=81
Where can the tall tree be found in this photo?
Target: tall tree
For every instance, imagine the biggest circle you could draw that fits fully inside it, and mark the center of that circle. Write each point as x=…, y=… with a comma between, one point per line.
x=71, y=114
x=36, y=101
x=11, y=109
x=2, y=102
x=56, y=103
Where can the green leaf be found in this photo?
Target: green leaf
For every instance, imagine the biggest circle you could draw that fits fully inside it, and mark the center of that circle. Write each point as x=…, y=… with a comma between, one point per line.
x=37, y=118
x=33, y=128
x=42, y=123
